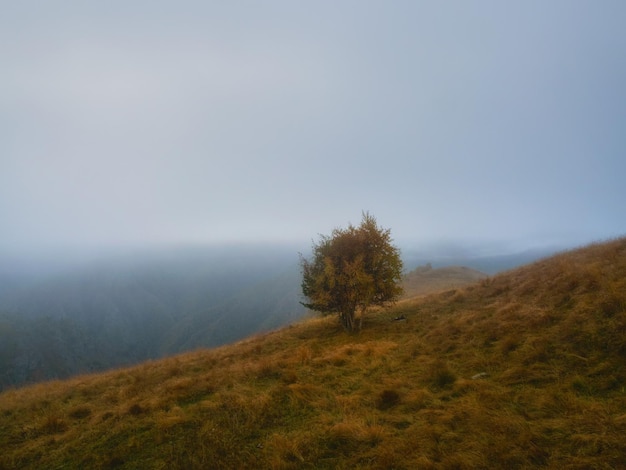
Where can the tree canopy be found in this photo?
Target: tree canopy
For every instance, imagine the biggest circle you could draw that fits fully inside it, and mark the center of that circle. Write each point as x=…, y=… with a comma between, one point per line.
x=351, y=270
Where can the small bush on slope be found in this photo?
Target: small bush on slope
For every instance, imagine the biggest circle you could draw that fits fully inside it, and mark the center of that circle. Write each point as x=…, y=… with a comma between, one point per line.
x=545, y=344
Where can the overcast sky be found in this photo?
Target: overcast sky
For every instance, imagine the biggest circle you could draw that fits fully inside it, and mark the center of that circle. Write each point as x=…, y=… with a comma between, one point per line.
x=142, y=122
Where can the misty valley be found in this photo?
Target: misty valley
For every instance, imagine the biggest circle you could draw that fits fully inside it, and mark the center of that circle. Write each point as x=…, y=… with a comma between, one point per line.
x=66, y=317
x=127, y=309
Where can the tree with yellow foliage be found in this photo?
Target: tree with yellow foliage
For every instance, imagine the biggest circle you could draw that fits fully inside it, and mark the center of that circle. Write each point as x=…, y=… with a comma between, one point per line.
x=351, y=270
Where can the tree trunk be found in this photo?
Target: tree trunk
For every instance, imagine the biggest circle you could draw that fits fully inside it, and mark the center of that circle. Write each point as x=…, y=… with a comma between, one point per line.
x=347, y=320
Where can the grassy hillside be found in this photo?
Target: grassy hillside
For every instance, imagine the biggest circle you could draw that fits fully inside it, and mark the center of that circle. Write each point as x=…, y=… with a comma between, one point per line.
x=522, y=370
x=426, y=280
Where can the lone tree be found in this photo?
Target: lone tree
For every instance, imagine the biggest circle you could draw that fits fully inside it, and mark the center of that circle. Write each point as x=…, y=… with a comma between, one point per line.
x=351, y=270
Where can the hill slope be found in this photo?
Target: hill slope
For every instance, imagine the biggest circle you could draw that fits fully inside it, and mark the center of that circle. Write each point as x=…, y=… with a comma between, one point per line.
x=522, y=370
x=426, y=280
x=125, y=309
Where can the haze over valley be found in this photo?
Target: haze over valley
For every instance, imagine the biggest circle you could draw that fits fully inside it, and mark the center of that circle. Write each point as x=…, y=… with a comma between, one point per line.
x=67, y=316
x=126, y=309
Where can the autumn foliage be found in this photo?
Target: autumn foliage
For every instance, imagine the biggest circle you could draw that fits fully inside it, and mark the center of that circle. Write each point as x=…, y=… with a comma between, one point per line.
x=351, y=270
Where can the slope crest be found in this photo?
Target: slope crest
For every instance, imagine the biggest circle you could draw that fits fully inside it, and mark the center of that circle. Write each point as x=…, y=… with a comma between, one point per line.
x=427, y=280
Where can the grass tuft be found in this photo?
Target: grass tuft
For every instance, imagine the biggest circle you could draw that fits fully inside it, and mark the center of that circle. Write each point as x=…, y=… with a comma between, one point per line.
x=53, y=424
x=440, y=376
x=387, y=399
x=136, y=409
x=80, y=412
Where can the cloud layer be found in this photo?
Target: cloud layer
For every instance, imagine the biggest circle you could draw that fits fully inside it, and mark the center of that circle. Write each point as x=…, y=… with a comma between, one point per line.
x=198, y=122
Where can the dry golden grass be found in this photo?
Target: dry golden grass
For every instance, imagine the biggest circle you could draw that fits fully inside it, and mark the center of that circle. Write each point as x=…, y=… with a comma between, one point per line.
x=522, y=370
x=426, y=280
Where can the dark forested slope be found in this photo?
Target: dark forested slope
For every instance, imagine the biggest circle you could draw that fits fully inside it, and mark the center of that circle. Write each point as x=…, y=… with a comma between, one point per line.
x=127, y=309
